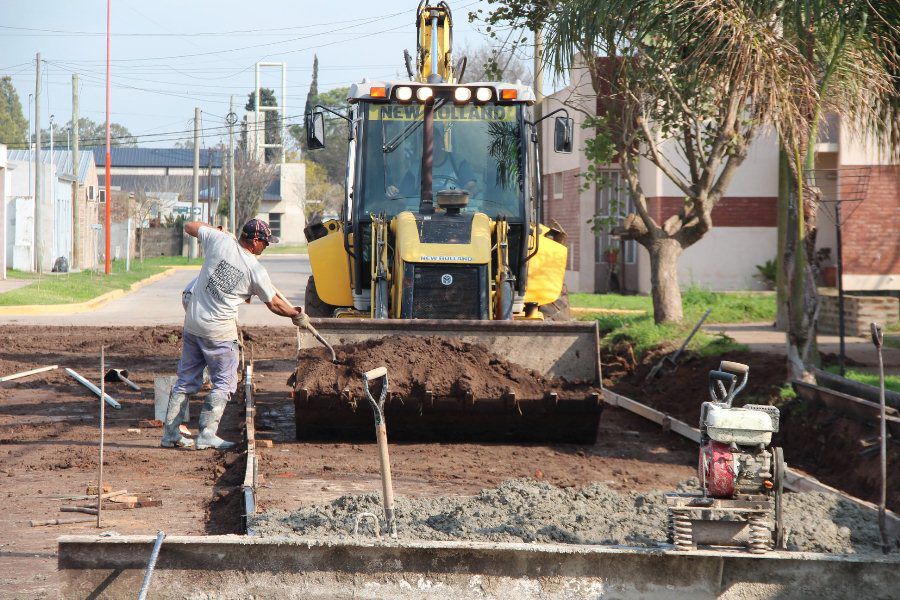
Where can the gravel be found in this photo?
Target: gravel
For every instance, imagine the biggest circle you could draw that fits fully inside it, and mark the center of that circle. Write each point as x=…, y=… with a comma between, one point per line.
x=525, y=510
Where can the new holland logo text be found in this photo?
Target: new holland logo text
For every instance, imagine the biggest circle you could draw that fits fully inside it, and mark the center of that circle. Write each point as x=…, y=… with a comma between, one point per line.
x=426, y=257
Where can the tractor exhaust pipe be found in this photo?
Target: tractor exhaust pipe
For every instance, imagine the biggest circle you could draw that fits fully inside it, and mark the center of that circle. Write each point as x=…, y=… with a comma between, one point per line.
x=426, y=204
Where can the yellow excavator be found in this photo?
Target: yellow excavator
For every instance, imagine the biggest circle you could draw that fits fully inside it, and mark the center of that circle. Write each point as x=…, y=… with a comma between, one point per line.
x=440, y=234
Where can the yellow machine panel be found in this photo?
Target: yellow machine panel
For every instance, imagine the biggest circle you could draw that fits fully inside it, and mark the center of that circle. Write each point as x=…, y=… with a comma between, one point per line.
x=331, y=267
x=410, y=249
x=546, y=271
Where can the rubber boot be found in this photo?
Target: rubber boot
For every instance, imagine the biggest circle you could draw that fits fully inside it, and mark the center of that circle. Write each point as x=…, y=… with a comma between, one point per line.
x=210, y=416
x=172, y=437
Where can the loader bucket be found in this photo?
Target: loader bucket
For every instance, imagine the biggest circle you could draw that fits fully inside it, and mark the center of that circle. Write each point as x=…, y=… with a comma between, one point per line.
x=568, y=351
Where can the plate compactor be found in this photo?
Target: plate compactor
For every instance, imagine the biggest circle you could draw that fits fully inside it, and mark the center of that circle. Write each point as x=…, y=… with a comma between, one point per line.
x=741, y=474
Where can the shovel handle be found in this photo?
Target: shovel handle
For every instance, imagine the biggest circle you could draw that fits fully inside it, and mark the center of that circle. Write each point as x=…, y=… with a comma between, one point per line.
x=387, y=483
x=375, y=373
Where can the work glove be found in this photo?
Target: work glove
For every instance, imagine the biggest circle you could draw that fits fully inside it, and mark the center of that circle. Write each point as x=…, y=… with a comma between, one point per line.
x=300, y=320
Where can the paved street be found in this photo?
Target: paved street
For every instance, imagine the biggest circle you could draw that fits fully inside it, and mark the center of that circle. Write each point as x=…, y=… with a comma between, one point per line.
x=159, y=303
x=762, y=337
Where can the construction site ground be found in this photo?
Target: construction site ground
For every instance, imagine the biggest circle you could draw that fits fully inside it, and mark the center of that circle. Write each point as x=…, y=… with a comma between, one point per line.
x=49, y=431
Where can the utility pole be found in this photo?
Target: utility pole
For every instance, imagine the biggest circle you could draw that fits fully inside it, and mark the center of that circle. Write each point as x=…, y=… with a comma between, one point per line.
x=76, y=199
x=108, y=216
x=30, y=145
x=539, y=96
x=38, y=180
x=195, y=198
x=231, y=119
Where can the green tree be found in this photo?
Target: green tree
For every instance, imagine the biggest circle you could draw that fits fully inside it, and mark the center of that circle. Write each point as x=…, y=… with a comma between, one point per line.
x=333, y=157
x=13, y=125
x=851, y=48
x=91, y=134
x=685, y=85
x=272, y=120
x=312, y=96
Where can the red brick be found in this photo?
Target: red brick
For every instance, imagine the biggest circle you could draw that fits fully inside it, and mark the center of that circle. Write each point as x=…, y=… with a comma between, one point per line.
x=731, y=211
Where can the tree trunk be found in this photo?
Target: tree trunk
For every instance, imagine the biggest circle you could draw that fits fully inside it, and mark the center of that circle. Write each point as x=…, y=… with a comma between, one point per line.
x=784, y=223
x=666, y=294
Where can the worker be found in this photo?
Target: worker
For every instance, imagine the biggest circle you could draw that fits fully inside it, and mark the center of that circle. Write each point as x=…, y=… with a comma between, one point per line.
x=230, y=275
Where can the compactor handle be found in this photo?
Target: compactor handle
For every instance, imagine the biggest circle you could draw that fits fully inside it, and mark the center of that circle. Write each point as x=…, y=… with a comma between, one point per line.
x=739, y=369
x=717, y=382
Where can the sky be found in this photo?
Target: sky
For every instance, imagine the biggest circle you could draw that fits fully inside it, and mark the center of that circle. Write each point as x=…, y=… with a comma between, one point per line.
x=171, y=56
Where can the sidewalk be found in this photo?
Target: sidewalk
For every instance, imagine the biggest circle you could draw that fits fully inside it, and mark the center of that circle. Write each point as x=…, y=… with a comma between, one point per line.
x=8, y=285
x=159, y=302
x=762, y=337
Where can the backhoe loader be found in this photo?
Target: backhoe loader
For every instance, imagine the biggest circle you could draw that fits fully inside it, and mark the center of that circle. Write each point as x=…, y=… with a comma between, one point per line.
x=440, y=234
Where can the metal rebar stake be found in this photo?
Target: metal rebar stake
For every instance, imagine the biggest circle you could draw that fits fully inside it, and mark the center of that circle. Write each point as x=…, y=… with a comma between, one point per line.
x=102, y=431
x=151, y=565
x=878, y=341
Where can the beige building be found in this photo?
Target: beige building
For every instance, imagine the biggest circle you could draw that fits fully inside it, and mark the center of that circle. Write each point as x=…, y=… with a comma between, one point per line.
x=70, y=204
x=744, y=232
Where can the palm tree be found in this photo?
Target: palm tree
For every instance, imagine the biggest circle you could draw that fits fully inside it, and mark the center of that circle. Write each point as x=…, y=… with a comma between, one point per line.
x=850, y=48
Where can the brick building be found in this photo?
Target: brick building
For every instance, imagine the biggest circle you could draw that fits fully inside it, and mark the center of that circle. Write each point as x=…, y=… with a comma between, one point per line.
x=744, y=232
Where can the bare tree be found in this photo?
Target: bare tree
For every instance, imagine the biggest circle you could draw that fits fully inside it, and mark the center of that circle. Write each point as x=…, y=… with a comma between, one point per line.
x=323, y=198
x=158, y=196
x=251, y=179
x=486, y=63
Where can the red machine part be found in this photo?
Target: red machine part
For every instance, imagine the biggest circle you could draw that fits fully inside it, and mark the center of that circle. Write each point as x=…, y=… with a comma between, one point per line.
x=716, y=461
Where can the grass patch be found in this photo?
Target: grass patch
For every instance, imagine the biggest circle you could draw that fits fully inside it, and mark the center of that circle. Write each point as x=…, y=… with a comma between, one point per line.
x=727, y=307
x=891, y=382
x=285, y=249
x=69, y=288
x=644, y=335
x=787, y=392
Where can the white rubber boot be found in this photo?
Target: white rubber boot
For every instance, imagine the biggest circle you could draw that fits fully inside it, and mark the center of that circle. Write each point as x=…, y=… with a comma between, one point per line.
x=172, y=437
x=210, y=416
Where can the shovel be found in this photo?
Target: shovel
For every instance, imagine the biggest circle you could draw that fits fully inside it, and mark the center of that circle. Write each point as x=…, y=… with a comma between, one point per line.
x=381, y=435
x=113, y=375
x=672, y=359
x=308, y=326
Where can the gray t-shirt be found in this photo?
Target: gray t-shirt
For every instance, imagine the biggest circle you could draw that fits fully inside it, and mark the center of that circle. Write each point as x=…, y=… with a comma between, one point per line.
x=229, y=276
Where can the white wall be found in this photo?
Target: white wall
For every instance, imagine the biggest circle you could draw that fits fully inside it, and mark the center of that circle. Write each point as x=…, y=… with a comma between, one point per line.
x=725, y=259
x=293, y=196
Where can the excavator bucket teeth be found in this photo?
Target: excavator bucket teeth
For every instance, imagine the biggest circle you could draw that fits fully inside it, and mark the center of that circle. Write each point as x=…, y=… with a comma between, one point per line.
x=568, y=351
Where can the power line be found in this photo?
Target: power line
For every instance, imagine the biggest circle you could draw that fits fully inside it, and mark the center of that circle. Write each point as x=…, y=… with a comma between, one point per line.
x=252, y=46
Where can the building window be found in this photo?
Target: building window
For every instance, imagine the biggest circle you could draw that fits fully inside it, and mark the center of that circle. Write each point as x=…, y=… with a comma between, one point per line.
x=557, y=186
x=275, y=223
x=613, y=200
x=91, y=195
x=102, y=196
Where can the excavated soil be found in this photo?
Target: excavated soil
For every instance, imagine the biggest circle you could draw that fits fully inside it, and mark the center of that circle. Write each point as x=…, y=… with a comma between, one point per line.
x=525, y=510
x=449, y=368
x=815, y=439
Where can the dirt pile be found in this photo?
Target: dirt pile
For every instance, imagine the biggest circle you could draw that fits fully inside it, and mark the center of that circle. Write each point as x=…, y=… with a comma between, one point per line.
x=531, y=511
x=449, y=368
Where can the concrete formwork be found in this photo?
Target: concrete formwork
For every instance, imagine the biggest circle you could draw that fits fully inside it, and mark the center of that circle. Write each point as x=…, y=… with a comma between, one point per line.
x=250, y=567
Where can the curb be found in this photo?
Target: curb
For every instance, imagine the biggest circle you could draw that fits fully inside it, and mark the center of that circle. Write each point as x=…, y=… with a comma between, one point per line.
x=580, y=310
x=94, y=303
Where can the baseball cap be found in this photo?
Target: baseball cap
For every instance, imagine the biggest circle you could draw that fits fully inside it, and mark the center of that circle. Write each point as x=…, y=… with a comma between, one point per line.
x=257, y=229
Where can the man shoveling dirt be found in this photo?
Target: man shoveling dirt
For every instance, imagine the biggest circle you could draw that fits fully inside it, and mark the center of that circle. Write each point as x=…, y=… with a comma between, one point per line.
x=230, y=275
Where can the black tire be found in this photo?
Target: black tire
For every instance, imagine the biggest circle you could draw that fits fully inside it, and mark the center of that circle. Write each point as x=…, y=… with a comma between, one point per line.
x=312, y=304
x=558, y=310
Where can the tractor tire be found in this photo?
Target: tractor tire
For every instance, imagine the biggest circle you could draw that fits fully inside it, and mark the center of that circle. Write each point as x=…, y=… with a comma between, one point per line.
x=558, y=310
x=312, y=304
